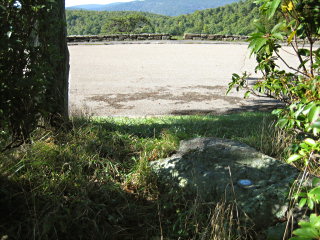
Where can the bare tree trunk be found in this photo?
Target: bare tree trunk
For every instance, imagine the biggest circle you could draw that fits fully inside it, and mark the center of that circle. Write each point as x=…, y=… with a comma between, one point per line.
x=60, y=87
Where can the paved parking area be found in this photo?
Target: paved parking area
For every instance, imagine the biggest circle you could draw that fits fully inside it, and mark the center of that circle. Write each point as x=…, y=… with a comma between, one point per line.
x=160, y=79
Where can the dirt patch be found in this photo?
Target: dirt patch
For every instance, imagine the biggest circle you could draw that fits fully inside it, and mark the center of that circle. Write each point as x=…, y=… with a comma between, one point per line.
x=126, y=101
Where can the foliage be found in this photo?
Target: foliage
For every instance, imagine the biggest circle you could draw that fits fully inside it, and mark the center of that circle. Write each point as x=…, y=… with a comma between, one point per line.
x=236, y=18
x=93, y=181
x=308, y=230
x=26, y=66
x=133, y=23
x=298, y=86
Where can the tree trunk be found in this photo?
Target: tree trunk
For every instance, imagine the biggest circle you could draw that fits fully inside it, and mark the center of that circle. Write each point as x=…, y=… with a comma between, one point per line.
x=60, y=60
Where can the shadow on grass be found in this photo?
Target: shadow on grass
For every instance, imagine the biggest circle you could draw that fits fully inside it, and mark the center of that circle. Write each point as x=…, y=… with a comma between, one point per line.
x=261, y=106
x=90, y=211
x=76, y=184
x=251, y=127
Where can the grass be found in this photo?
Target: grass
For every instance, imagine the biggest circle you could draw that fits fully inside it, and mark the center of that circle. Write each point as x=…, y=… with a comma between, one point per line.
x=177, y=37
x=93, y=181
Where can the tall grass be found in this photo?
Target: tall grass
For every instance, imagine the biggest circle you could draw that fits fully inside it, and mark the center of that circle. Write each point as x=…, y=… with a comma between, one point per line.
x=94, y=182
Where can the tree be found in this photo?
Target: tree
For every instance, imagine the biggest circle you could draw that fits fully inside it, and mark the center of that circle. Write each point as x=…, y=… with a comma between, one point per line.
x=33, y=66
x=134, y=23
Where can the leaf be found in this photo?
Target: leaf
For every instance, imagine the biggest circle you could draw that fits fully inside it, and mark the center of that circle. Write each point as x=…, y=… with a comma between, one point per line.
x=310, y=142
x=247, y=94
x=316, y=124
x=282, y=122
x=310, y=203
x=306, y=233
x=273, y=8
x=315, y=191
x=290, y=6
x=315, y=181
x=277, y=36
x=307, y=108
x=277, y=111
x=259, y=43
x=303, y=63
x=304, y=52
x=293, y=158
x=261, y=27
x=291, y=36
x=276, y=27
x=315, y=220
x=314, y=113
x=302, y=202
x=316, y=131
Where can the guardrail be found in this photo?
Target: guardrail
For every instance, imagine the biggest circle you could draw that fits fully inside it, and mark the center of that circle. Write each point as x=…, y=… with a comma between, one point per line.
x=118, y=37
x=215, y=37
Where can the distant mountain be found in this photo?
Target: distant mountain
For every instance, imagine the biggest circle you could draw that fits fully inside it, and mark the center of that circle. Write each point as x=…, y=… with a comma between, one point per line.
x=93, y=7
x=164, y=7
x=90, y=7
x=236, y=18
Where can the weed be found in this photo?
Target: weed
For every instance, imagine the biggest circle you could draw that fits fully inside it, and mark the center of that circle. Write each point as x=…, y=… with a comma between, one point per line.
x=94, y=181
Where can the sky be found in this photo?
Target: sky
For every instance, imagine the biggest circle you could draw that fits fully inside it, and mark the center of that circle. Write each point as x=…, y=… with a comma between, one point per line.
x=70, y=3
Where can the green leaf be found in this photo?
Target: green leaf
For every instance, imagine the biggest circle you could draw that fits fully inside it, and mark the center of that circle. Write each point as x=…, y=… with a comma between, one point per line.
x=310, y=142
x=259, y=44
x=313, y=115
x=256, y=44
x=315, y=220
x=282, y=122
x=316, y=124
x=273, y=8
x=315, y=191
x=315, y=181
x=277, y=111
x=247, y=94
x=308, y=107
x=276, y=27
x=278, y=36
x=304, y=52
x=302, y=202
x=306, y=232
x=293, y=158
x=261, y=27
x=310, y=203
x=315, y=131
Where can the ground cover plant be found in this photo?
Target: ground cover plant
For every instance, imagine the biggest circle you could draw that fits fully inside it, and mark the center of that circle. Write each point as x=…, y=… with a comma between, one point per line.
x=93, y=181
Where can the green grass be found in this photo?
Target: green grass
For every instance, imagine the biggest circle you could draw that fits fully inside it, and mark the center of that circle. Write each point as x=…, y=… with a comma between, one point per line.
x=93, y=181
x=177, y=38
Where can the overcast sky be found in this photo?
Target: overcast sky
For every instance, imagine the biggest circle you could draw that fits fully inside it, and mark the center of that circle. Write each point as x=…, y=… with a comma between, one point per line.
x=70, y=3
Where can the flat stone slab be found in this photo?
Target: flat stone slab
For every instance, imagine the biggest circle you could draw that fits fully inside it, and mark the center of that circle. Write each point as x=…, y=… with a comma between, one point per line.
x=212, y=168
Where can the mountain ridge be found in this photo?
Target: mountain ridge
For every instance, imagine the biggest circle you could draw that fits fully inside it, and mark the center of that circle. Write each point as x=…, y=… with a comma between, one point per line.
x=232, y=19
x=163, y=7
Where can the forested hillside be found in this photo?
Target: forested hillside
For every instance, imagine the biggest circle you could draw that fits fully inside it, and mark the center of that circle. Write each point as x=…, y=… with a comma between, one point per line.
x=236, y=18
x=164, y=7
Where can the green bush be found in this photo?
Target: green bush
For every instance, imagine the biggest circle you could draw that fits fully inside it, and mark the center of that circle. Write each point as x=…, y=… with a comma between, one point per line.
x=298, y=88
x=29, y=65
